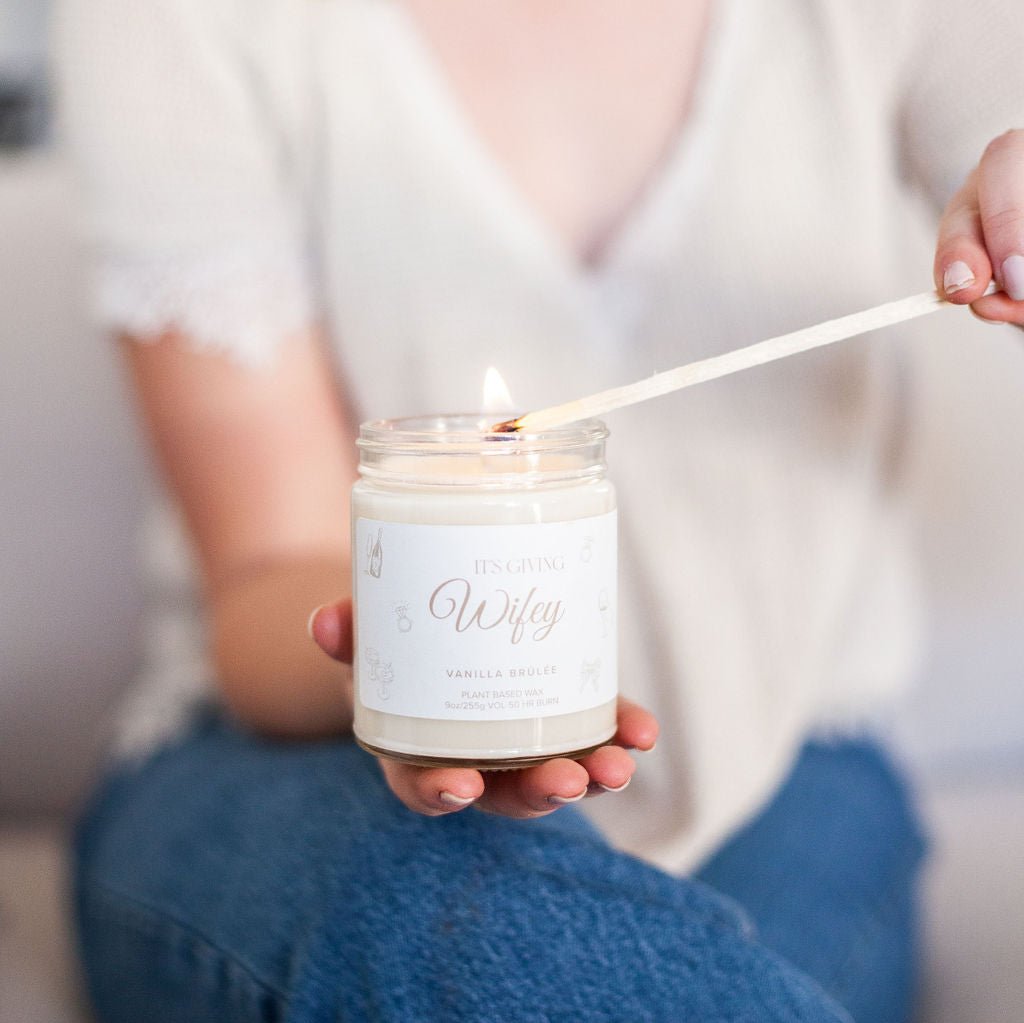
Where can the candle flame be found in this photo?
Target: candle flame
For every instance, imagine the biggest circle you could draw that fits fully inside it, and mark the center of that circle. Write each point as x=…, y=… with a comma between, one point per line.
x=496, y=397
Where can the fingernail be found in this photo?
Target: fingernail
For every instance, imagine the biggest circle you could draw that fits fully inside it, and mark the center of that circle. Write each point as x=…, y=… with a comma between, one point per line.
x=1013, y=277
x=309, y=624
x=957, y=277
x=650, y=749
x=453, y=800
x=620, y=788
x=563, y=800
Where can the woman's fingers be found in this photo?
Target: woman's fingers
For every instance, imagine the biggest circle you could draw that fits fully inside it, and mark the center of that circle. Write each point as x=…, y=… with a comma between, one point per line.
x=638, y=728
x=531, y=792
x=981, y=235
x=331, y=627
x=962, y=266
x=524, y=793
x=1001, y=205
x=999, y=309
x=610, y=769
x=433, y=790
x=534, y=791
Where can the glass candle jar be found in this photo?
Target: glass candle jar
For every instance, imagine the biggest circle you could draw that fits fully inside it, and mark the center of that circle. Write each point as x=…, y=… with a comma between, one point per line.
x=484, y=582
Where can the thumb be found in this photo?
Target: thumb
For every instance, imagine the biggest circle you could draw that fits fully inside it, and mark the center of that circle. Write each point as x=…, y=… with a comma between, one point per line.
x=330, y=626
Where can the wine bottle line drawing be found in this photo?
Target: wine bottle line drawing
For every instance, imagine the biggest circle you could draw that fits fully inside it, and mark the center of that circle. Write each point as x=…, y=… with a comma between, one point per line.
x=375, y=554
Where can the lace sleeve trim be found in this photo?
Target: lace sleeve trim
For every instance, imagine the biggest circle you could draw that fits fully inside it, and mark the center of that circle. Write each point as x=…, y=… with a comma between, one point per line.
x=243, y=301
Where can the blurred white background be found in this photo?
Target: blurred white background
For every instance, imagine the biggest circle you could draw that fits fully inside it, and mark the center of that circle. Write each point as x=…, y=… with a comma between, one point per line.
x=71, y=498
x=21, y=31
x=967, y=714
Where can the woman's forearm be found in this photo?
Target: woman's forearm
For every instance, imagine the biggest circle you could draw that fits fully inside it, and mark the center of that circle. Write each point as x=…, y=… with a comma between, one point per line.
x=273, y=678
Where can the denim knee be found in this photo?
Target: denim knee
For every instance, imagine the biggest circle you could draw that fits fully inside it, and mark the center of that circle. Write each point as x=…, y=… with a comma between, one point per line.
x=244, y=880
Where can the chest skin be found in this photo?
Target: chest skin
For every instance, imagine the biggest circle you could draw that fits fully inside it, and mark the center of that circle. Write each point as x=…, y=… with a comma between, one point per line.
x=578, y=101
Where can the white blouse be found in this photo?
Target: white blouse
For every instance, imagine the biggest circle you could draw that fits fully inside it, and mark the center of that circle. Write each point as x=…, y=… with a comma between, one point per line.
x=250, y=166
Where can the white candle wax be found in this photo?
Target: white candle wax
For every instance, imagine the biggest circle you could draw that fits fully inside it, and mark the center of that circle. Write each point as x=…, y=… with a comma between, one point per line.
x=484, y=581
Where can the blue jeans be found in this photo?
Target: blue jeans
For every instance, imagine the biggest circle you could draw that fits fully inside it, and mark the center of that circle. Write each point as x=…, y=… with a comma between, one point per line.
x=231, y=878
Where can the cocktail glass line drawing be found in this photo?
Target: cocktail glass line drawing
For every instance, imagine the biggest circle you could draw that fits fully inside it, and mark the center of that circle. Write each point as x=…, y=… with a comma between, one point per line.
x=387, y=676
x=381, y=674
x=404, y=621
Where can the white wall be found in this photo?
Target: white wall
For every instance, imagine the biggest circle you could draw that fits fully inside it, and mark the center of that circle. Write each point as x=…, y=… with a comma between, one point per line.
x=22, y=35
x=968, y=711
x=22, y=31
x=70, y=498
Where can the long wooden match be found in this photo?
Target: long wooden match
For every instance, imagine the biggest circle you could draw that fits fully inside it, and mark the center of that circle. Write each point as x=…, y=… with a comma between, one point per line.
x=730, y=362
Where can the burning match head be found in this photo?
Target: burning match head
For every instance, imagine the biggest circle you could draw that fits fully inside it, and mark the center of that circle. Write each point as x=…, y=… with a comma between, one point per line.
x=509, y=426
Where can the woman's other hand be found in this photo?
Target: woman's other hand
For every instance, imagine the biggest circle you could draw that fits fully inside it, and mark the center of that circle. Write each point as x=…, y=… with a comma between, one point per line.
x=981, y=235
x=531, y=792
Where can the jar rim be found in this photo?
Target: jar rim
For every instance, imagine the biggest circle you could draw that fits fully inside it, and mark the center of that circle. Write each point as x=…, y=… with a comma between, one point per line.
x=470, y=432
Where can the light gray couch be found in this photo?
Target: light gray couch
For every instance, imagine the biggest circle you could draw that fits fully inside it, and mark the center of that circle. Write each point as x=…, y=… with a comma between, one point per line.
x=72, y=488
x=70, y=500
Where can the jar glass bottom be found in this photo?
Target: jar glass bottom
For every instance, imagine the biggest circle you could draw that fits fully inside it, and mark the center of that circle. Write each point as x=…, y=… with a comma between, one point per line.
x=486, y=745
x=508, y=764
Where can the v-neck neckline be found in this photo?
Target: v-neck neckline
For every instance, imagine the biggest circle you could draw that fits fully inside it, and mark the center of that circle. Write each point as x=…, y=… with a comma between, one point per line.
x=482, y=171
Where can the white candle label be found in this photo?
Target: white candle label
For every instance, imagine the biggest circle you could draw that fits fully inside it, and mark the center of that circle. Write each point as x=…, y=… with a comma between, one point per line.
x=484, y=623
